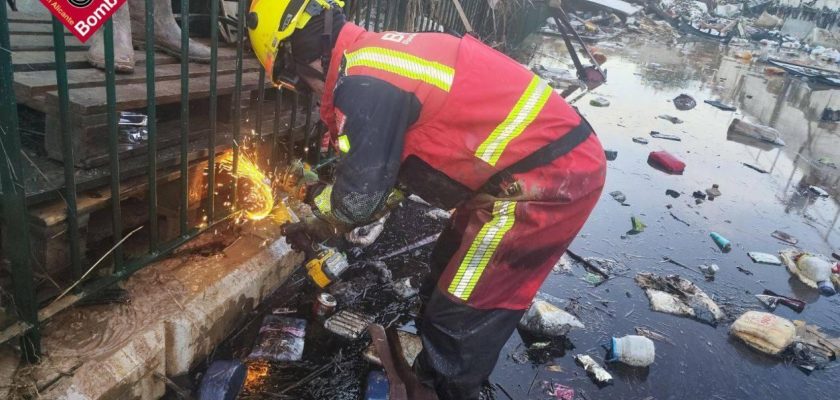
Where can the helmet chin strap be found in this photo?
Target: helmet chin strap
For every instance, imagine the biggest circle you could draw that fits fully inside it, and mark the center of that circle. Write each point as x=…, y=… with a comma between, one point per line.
x=326, y=52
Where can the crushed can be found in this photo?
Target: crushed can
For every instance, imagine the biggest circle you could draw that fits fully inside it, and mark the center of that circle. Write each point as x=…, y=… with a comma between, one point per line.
x=324, y=306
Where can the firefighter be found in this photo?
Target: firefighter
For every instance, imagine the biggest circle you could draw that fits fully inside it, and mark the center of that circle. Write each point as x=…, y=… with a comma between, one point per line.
x=462, y=126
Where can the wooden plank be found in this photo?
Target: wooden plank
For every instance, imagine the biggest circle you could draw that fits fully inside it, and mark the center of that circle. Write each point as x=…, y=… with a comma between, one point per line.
x=33, y=28
x=36, y=83
x=92, y=100
x=43, y=42
x=19, y=16
x=45, y=59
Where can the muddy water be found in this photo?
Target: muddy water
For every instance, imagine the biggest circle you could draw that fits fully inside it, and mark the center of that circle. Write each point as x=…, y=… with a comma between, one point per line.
x=703, y=362
x=700, y=362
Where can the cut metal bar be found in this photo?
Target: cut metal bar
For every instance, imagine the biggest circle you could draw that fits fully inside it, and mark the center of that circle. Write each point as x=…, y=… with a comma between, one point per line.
x=260, y=100
x=16, y=225
x=278, y=107
x=237, y=96
x=410, y=247
x=152, y=125
x=214, y=97
x=113, y=141
x=67, y=152
x=292, y=121
x=307, y=129
x=464, y=19
x=185, y=114
x=367, y=19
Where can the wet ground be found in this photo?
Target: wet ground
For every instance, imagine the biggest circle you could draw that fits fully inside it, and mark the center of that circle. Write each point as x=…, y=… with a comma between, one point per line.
x=701, y=362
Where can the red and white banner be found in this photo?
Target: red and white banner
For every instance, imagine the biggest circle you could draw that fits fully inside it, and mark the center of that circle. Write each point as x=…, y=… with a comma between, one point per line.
x=83, y=17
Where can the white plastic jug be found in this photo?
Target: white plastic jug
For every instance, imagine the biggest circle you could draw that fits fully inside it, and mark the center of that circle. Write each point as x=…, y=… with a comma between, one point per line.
x=633, y=350
x=814, y=268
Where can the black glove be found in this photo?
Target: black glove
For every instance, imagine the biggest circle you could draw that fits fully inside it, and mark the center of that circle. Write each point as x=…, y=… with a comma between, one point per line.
x=312, y=228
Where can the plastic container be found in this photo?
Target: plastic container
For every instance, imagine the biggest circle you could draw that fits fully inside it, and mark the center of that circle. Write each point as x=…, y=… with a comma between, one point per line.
x=281, y=339
x=722, y=243
x=222, y=381
x=664, y=161
x=633, y=350
x=814, y=268
x=377, y=386
x=763, y=331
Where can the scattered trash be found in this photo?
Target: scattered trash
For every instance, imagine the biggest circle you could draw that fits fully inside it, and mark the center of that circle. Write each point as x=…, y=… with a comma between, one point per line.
x=348, y=324
x=836, y=255
x=599, y=102
x=619, y=197
x=665, y=136
x=818, y=191
x=563, y=265
x=598, y=373
x=438, y=214
x=593, y=279
x=743, y=270
x=673, y=193
x=611, y=155
x=670, y=118
x=699, y=195
x=652, y=334
x=829, y=115
x=764, y=332
x=638, y=225
x=675, y=295
x=713, y=192
x=812, y=270
x=411, y=347
x=133, y=127
x=280, y=339
x=678, y=219
x=544, y=319
x=640, y=140
x=664, y=161
x=562, y=392
x=785, y=237
x=633, y=350
x=722, y=243
x=764, y=258
x=820, y=347
x=323, y=306
x=405, y=288
x=709, y=271
x=753, y=167
x=771, y=299
x=755, y=131
x=718, y=104
x=222, y=381
x=377, y=386
x=684, y=102
x=774, y=71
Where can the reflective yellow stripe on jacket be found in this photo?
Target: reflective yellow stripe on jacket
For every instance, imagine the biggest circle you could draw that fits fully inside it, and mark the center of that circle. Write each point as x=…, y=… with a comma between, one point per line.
x=523, y=113
x=482, y=249
x=322, y=200
x=402, y=64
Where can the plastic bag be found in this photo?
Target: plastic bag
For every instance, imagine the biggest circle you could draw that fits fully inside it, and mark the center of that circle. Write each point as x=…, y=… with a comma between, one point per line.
x=281, y=339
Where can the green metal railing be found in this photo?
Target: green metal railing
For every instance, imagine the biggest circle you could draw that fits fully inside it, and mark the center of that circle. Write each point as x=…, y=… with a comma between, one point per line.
x=284, y=144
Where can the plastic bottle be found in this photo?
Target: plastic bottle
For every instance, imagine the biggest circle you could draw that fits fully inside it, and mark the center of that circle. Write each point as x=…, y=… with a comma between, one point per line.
x=814, y=268
x=722, y=243
x=826, y=288
x=633, y=350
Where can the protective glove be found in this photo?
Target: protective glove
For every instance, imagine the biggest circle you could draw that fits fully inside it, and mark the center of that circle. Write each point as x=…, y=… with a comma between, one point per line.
x=313, y=228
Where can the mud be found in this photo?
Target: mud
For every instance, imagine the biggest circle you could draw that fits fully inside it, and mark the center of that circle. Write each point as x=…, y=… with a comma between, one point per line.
x=693, y=360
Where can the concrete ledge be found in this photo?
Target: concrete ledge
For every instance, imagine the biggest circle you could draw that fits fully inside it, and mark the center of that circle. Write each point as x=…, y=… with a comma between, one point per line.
x=181, y=309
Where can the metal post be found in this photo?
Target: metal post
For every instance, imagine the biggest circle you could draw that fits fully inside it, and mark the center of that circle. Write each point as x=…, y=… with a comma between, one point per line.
x=113, y=142
x=278, y=108
x=367, y=19
x=237, y=95
x=292, y=120
x=307, y=127
x=260, y=100
x=152, y=126
x=185, y=114
x=214, y=97
x=378, y=13
x=67, y=152
x=16, y=227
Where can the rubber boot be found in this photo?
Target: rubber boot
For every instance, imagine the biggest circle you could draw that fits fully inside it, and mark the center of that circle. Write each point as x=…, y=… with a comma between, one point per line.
x=167, y=31
x=123, y=52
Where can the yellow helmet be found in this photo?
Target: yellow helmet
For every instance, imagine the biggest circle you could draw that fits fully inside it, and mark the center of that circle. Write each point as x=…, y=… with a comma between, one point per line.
x=271, y=23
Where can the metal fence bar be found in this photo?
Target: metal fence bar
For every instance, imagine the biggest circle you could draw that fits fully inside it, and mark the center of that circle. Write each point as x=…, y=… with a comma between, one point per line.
x=185, y=115
x=378, y=13
x=151, y=112
x=237, y=95
x=292, y=120
x=67, y=152
x=113, y=142
x=260, y=100
x=278, y=107
x=15, y=220
x=214, y=106
x=307, y=127
x=367, y=19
